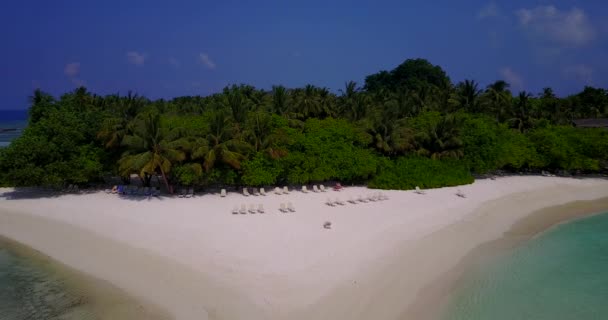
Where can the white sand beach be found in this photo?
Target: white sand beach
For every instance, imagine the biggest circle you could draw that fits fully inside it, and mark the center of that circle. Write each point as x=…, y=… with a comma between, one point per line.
x=193, y=258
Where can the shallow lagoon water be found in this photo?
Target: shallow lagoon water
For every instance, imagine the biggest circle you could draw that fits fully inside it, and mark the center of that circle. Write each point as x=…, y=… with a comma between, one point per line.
x=34, y=286
x=561, y=274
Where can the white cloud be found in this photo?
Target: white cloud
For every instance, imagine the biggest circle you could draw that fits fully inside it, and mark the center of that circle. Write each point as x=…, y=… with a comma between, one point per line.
x=490, y=10
x=72, y=69
x=580, y=72
x=206, y=61
x=549, y=24
x=174, y=62
x=512, y=77
x=136, y=58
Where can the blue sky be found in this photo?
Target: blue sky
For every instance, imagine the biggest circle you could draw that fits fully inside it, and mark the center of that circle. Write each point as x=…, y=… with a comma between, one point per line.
x=172, y=48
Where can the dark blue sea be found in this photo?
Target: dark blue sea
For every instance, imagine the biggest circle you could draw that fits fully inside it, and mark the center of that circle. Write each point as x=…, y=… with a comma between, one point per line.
x=11, y=119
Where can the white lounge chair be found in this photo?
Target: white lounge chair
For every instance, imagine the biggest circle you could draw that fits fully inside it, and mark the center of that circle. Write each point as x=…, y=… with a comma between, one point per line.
x=189, y=194
x=277, y=190
x=262, y=192
x=282, y=207
x=315, y=188
x=339, y=202
x=246, y=192
x=363, y=199
x=461, y=194
x=290, y=207
x=418, y=191
x=252, y=209
x=383, y=196
x=223, y=193
x=285, y=190
x=261, y=208
x=322, y=188
x=235, y=210
x=329, y=202
x=304, y=189
x=371, y=198
x=351, y=200
x=256, y=192
x=243, y=209
x=327, y=225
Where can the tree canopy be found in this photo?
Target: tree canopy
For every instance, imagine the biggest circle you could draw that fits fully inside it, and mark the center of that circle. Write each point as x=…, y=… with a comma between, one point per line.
x=405, y=127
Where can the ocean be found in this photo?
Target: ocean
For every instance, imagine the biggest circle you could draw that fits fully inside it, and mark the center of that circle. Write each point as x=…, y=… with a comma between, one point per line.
x=11, y=119
x=561, y=274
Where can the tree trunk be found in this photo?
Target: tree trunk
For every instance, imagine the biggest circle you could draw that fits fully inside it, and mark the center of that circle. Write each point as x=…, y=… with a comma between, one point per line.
x=169, y=188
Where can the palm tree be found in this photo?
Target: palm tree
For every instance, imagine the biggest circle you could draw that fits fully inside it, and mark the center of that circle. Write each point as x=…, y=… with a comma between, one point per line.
x=112, y=131
x=442, y=139
x=467, y=94
x=151, y=149
x=125, y=109
x=262, y=136
x=238, y=103
x=497, y=98
x=353, y=102
x=279, y=100
x=521, y=118
x=306, y=102
x=327, y=103
x=390, y=134
x=220, y=143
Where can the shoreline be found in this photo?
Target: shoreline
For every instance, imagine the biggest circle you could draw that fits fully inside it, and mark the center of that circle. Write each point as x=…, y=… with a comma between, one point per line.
x=196, y=260
x=105, y=300
x=436, y=296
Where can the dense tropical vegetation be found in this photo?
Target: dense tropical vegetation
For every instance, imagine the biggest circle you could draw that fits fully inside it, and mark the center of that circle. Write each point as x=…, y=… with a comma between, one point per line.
x=405, y=127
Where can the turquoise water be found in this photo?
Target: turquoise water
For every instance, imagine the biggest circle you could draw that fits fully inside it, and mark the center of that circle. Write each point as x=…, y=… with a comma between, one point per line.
x=562, y=274
x=32, y=289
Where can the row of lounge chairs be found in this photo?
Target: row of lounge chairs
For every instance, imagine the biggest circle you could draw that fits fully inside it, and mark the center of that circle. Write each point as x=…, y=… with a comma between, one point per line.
x=260, y=208
x=361, y=199
x=252, y=209
x=254, y=192
x=315, y=189
x=280, y=191
x=459, y=193
x=186, y=193
x=72, y=188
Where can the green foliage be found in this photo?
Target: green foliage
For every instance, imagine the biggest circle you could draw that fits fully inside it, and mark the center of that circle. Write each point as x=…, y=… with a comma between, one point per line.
x=412, y=74
x=408, y=172
x=408, y=126
x=570, y=148
x=329, y=149
x=482, y=145
x=54, y=150
x=261, y=170
x=188, y=174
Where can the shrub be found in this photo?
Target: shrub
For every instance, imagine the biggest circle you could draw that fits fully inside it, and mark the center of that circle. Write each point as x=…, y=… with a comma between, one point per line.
x=408, y=172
